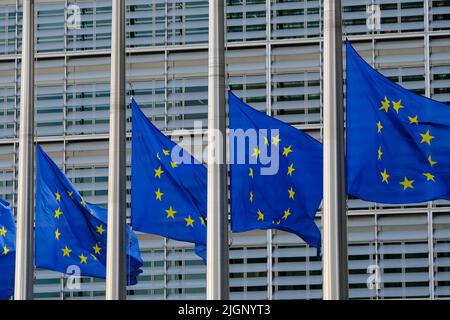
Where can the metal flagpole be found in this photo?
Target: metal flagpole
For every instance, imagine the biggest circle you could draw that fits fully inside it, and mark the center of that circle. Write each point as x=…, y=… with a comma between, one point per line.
x=217, y=221
x=335, y=278
x=116, y=246
x=25, y=190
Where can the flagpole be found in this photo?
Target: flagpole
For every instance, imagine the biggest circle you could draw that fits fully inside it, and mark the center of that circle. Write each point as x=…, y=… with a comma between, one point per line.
x=335, y=278
x=217, y=221
x=25, y=190
x=116, y=245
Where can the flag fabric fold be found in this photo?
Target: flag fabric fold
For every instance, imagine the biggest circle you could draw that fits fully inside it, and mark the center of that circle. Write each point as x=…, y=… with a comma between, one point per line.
x=397, y=141
x=71, y=233
x=287, y=198
x=168, y=194
x=7, y=250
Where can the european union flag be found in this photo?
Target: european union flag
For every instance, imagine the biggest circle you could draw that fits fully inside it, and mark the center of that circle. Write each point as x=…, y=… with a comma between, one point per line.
x=7, y=250
x=71, y=232
x=397, y=141
x=168, y=186
x=278, y=182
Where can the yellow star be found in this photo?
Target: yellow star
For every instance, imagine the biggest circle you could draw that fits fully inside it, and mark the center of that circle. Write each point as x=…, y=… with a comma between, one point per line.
x=429, y=176
x=287, y=213
x=286, y=151
x=276, y=222
x=414, y=120
x=251, y=196
x=432, y=163
x=57, y=196
x=266, y=141
x=202, y=221
x=171, y=213
x=158, y=172
x=385, y=104
x=397, y=105
x=173, y=164
x=83, y=203
x=157, y=156
x=291, y=169
x=159, y=195
x=276, y=139
x=97, y=249
x=426, y=137
x=66, y=252
x=407, y=183
x=250, y=172
x=70, y=193
x=57, y=234
x=380, y=153
x=166, y=152
x=93, y=257
x=83, y=259
x=256, y=152
x=260, y=216
x=3, y=231
x=379, y=126
x=100, y=229
x=385, y=176
x=189, y=221
x=58, y=212
x=291, y=193
x=5, y=250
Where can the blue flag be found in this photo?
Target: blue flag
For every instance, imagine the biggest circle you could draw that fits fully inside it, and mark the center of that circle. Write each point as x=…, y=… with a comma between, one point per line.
x=7, y=250
x=168, y=186
x=397, y=141
x=278, y=182
x=70, y=232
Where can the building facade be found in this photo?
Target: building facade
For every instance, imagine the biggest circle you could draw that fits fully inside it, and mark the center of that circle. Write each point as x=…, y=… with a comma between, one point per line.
x=273, y=61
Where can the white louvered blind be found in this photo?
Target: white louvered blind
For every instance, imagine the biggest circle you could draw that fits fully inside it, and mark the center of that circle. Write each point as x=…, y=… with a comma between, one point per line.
x=295, y=19
x=404, y=256
x=440, y=69
x=8, y=28
x=50, y=24
x=296, y=84
x=441, y=255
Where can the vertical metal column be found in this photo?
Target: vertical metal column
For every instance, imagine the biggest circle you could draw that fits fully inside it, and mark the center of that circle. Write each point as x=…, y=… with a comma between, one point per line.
x=426, y=7
x=166, y=63
x=16, y=90
x=217, y=221
x=269, y=232
x=165, y=266
x=116, y=248
x=335, y=278
x=25, y=190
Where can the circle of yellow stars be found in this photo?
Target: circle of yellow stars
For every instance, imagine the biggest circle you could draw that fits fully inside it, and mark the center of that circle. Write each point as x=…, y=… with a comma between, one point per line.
x=425, y=137
x=287, y=150
x=170, y=212
x=66, y=251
